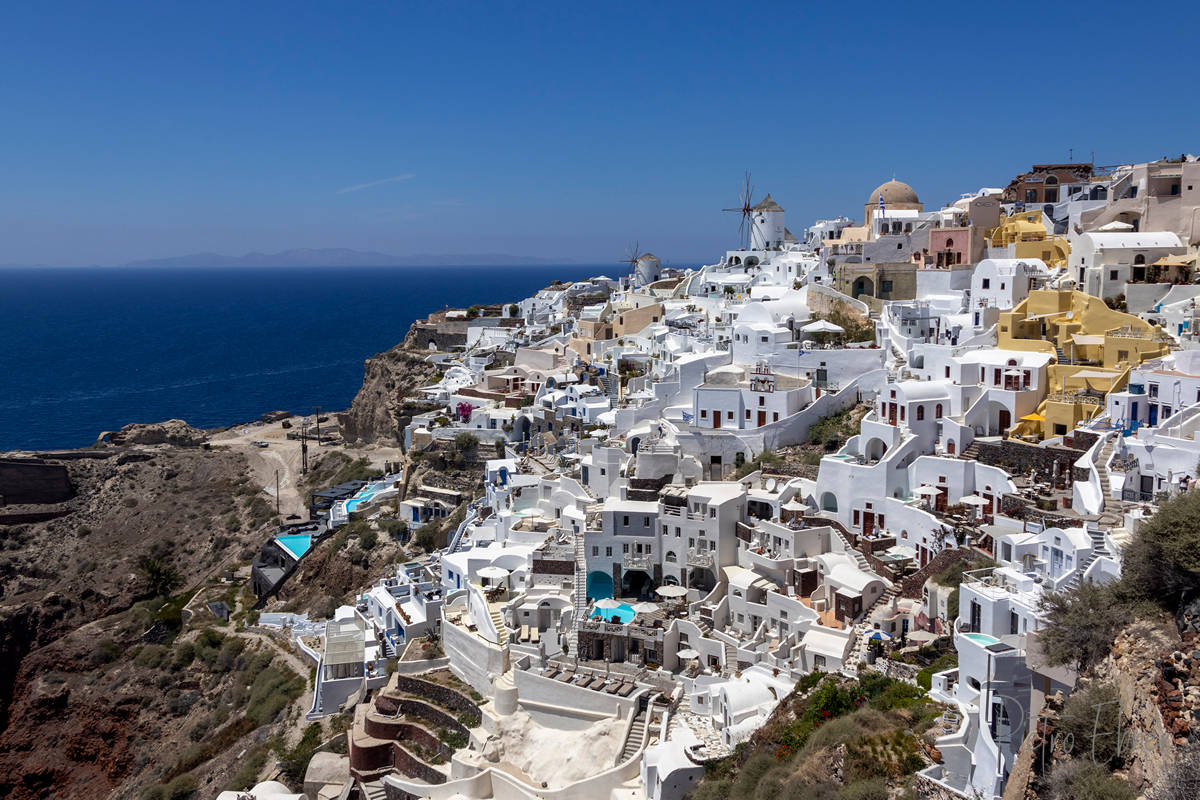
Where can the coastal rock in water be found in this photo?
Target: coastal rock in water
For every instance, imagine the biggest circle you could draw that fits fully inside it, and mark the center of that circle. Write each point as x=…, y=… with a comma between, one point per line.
x=173, y=431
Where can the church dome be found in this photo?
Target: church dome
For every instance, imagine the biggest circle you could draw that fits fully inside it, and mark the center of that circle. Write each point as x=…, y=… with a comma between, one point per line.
x=893, y=192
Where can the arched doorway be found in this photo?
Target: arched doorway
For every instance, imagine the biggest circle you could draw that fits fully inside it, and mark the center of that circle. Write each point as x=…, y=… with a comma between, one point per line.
x=636, y=583
x=703, y=579
x=829, y=502
x=863, y=285
x=599, y=585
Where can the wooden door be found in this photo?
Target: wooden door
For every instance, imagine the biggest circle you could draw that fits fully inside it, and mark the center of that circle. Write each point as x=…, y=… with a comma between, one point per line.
x=868, y=523
x=891, y=413
x=716, y=419
x=762, y=418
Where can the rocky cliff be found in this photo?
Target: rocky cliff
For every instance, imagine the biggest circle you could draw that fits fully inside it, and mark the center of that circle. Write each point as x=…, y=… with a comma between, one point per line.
x=385, y=403
x=78, y=717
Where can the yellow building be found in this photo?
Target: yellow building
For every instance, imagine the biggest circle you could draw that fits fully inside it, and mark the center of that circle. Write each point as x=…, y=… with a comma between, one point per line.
x=1026, y=237
x=1094, y=346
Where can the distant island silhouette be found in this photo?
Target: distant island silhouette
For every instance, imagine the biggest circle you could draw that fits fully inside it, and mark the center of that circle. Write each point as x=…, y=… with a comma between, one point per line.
x=342, y=257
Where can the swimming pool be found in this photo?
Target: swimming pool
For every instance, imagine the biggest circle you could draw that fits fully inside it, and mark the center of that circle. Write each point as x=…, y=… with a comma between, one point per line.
x=982, y=638
x=297, y=543
x=624, y=613
x=365, y=495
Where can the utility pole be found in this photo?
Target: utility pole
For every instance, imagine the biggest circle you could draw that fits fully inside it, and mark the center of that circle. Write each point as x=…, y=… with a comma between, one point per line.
x=303, y=448
x=277, y=511
x=318, y=418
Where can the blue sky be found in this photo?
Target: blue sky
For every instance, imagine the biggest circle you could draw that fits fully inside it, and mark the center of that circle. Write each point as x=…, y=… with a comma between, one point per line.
x=143, y=130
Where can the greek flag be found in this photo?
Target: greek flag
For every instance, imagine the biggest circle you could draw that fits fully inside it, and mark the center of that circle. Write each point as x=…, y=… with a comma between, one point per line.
x=687, y=417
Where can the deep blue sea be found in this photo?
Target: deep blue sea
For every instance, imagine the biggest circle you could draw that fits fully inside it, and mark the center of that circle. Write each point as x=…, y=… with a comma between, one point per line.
x=91, y=349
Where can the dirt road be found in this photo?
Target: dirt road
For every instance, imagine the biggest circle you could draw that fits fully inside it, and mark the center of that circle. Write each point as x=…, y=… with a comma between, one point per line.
x=283, y=455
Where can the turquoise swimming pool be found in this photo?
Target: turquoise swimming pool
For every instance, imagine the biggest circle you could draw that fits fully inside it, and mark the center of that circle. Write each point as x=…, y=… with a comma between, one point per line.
x=982, y=638
x=365, y=495
x=297, y=544
x=623, y=613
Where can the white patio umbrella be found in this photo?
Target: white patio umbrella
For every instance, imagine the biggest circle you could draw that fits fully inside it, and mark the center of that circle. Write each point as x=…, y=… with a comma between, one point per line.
x=925, y=490
x=973, y=500
x=608, y=603
x=645, y=608
x=671, y=590
x=688, y=654
x=493, y=573
x=1116, y=225
x=823, y=326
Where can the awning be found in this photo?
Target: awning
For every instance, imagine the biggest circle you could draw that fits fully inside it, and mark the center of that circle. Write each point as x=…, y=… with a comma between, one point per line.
x=1034, y=417
x=1086, y=338
x=1175, y=261
x=1093, y=373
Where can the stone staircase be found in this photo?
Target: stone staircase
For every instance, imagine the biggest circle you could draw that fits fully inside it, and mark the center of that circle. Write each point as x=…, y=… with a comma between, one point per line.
x=863, y=629
x=637, y=732
x=1099, y=550
x=580, y=588
x=498, y=621
x=608, y=383
x=372, y=790
x=1101, y=460
x=971, y=453
x=730, y=660
x=854, y=553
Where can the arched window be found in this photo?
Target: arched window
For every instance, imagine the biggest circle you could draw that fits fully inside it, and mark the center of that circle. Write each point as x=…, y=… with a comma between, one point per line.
x=949, y=244
x=920, y=413
x=937, y=411
x=1139, y=259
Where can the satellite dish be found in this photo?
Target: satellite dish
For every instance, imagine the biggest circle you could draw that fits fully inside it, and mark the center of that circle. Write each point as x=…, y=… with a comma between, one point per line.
x=771, y=483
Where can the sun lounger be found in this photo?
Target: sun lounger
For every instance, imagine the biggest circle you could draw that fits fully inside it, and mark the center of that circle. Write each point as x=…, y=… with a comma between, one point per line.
x=551, y=673
x=612, y=687
x=566, y=676
x=524, y=636
x=626, y=689
x=534, y=636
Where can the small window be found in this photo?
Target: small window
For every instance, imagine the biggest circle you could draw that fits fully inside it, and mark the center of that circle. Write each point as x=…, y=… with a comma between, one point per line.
x=920, y=413
x=987, y=283
x=762, y=401
x=1112, y=274
x=608, y=551
x=704, y=412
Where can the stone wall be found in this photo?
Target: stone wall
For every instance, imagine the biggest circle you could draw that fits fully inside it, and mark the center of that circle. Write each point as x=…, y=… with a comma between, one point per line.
x=911, y=586
x=442, y=695
x=388, y=706
x=30, y=481
x=1019, y=457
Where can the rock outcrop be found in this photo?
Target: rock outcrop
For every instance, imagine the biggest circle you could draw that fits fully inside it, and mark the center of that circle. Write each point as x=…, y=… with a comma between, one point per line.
x=173, y=431
x=385, y=405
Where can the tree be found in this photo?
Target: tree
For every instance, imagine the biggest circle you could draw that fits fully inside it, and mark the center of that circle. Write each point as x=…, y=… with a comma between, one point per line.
x=160, y=575
x=465, y=441
x=1162, y=563
x=1081, y=623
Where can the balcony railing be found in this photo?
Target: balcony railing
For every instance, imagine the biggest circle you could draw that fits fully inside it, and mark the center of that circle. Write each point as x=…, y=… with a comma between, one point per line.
x=636, y=561
x=696, y=558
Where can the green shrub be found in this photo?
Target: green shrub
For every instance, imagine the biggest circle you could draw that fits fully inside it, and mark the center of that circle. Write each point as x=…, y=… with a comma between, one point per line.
x=944, y=662
x=250, y=768
x=294, y=761
x=151, y=656
x=181, y=787
x=273, y=689
x=872, y=789
x=1081, y=779
x=465, y=441
x=368, y=539
x=1092, y=717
